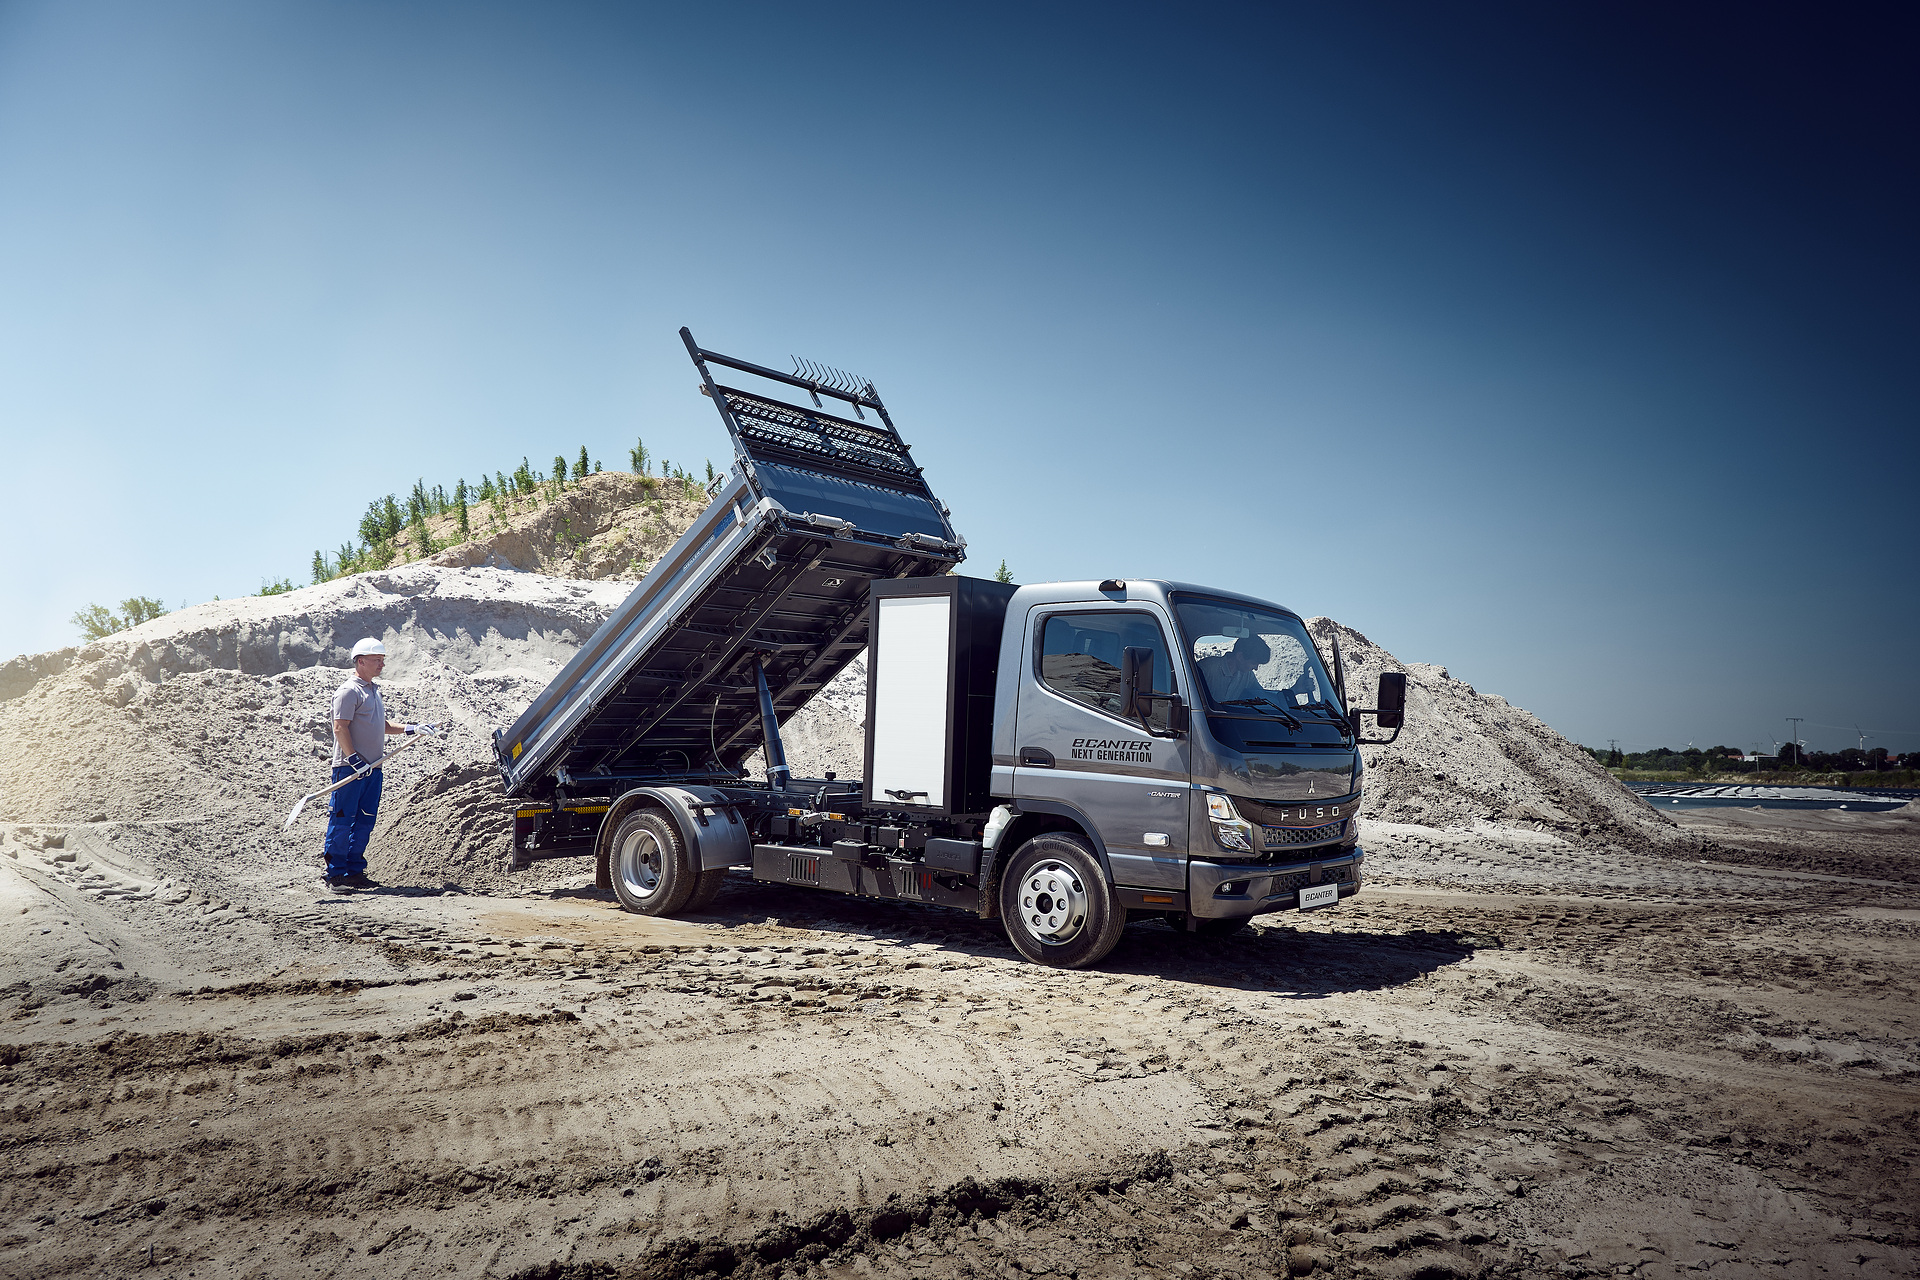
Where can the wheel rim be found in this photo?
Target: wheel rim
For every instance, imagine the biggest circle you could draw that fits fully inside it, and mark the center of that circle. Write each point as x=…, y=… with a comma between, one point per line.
x=640, y=862
x=1053, y=903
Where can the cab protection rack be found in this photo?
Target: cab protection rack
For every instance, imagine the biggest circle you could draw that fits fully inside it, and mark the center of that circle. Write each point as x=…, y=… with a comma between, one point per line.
x=768, y=586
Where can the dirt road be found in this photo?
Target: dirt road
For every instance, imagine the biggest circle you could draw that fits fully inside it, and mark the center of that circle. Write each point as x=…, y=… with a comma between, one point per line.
x=1507, y=1057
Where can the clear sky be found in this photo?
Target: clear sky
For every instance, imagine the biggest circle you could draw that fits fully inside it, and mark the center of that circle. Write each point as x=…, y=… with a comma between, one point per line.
x=1570, y=346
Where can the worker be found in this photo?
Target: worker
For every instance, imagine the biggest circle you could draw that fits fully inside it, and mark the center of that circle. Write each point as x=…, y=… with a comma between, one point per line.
x=1230, y=675
x=360, y=728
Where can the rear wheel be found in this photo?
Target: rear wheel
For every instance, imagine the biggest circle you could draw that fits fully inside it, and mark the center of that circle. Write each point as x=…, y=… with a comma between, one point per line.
x=1058, y=907
x=649, y=865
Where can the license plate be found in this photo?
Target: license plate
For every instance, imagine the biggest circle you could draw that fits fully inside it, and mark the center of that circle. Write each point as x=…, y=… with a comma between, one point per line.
x=1321, y=895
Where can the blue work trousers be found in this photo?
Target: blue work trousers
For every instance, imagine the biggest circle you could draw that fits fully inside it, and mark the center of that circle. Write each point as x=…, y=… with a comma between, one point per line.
x=350, y=814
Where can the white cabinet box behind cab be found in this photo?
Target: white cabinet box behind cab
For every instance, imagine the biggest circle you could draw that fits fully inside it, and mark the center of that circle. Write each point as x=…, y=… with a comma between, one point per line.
x=933, y=648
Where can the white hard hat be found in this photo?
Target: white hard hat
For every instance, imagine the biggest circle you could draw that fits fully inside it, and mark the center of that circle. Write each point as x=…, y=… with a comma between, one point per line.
x=369, y=647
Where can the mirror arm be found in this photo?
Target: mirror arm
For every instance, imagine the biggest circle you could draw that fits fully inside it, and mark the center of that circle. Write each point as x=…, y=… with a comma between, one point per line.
x=1156, y=697
x=1359, y=741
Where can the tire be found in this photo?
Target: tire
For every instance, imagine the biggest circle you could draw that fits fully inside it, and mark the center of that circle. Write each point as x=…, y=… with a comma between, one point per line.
x=1056, y=903
x=649, y=865
x=706, y=888
x=1206, y=927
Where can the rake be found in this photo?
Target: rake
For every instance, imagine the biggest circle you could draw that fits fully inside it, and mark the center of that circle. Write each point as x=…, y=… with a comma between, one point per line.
x=413, y=741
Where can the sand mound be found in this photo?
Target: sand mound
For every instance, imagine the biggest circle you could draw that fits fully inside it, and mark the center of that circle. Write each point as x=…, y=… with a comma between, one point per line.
x=1466, y=758
x=212, y=721
x=453, y=827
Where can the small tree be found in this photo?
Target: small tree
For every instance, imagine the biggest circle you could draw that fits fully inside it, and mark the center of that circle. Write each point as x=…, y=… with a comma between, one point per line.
x=348, y=555
x=559, y=473
x=97, y=621
x=320, y=573
x=141, y=609
x=460, y=506
x=523, y=481
x=1001, y=574
x=373, y=525
x=596, y=466
x=421, y=537
x=581, y=467
x=486, y=487
x=275, y=586
x=637, y=458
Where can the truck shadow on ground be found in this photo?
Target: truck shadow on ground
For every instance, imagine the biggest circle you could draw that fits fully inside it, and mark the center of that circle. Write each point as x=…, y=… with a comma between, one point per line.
x=1267, y=959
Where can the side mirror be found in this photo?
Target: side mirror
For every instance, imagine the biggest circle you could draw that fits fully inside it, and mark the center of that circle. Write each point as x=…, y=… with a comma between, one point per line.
x=1391, y=701
x=1136, y=678
x=1137, y=696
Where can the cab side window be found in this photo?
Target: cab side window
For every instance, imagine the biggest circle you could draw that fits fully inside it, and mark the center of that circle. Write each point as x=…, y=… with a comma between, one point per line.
x=1080, y=658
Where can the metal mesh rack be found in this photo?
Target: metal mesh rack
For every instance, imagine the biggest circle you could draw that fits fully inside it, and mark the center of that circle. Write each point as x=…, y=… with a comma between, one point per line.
x=770, y=582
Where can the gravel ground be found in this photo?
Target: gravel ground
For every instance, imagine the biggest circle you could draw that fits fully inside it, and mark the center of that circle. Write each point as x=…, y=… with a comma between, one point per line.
x=1503, y=1058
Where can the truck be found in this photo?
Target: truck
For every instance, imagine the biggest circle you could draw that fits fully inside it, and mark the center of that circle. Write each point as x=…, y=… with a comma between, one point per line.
x=1064, y=757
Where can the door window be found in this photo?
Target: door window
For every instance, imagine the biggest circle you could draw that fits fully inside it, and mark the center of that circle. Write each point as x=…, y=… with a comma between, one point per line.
x=1080, y=657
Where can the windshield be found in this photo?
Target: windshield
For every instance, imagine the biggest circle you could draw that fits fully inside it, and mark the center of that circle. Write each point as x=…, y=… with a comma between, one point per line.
x=1255, y=660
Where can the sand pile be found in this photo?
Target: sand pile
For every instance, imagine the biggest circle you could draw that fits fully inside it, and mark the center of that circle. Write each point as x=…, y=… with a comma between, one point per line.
x=1467, y=758
x=204, y=726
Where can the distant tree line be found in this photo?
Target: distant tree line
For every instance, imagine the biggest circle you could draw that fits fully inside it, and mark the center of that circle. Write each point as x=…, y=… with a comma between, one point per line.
x=1727, y=760
x=393, y=525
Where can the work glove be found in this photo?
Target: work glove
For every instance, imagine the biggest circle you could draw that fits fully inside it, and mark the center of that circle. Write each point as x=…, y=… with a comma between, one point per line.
x=357, y=762
x=421, y=728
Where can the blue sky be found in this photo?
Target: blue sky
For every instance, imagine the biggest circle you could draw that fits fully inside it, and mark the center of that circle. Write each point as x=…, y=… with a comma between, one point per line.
x=1572, y=350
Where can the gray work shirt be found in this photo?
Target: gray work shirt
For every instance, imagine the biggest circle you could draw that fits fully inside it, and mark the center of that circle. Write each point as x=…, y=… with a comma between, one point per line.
x=358, y=701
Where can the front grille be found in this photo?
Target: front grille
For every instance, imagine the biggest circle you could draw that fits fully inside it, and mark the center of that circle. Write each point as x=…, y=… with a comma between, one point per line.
x=803, y=866
x=907, y=883
x=1280, y=837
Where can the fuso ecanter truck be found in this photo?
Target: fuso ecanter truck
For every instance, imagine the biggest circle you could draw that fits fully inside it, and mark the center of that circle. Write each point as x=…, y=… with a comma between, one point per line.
x=1064, y=757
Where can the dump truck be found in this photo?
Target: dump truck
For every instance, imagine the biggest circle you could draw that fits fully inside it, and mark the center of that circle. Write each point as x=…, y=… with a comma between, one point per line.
x=1065, y=757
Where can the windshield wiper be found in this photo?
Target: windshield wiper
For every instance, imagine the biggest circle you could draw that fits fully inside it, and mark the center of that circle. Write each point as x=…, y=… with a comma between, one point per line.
x=1339, y=716
x=1292, y=724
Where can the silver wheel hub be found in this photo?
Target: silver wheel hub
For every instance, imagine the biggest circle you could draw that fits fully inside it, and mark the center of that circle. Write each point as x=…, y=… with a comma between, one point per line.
x=639, y=864
x=1053, y=902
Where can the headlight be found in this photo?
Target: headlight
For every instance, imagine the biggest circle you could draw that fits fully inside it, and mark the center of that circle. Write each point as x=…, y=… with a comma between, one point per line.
x=1230, y=830
x=1235, y=838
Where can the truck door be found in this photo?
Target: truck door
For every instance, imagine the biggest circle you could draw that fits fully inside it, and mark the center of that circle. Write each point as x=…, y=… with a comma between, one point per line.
x=1074, y=749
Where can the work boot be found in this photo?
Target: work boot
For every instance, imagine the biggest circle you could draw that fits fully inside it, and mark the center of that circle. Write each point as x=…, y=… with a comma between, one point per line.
x=358, y=880
x=341, y=884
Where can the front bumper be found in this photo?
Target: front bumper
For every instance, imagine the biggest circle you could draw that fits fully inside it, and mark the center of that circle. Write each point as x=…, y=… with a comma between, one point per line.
x=1225, y=890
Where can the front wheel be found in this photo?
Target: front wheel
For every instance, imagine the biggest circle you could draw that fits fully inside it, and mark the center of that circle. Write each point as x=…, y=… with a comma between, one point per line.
x=1058, y=907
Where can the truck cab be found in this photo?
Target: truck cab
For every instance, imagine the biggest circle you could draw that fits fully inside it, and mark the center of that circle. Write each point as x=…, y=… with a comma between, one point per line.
x=1193, y=737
